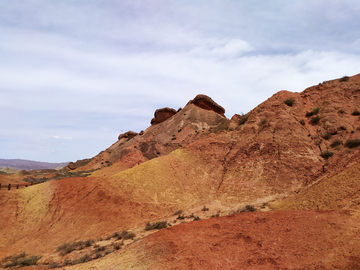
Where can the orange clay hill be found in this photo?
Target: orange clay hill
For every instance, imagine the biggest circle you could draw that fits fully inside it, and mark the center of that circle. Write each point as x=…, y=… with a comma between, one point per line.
x=277, y=188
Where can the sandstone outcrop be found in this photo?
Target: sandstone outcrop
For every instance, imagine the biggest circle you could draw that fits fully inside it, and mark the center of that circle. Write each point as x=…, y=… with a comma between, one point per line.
x=161, y=115
x=128, y=135
x=207, y=103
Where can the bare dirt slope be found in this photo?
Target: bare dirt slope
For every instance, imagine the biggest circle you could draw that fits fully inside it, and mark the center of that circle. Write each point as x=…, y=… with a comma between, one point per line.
x=262, y=240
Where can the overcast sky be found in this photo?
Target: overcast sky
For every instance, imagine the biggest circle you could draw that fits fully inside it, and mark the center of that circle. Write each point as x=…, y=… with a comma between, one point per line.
x=75, y=74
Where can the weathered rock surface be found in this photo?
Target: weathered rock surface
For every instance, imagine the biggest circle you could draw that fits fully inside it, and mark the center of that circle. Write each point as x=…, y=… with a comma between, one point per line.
x=128, y=135
x=161, y=115
x=207, y=103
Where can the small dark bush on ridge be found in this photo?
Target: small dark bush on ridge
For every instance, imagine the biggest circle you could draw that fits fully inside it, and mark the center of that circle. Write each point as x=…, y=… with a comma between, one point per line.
x=196, y=218
x=126, y=235
x=289, y=101
x=326, y=154
x=335, y=143
x=205, y=208
x=327, y=136
x=156, y=225
x=356, y=112
x=248, y=208
x=352, y=143
x=344, y=79
x=314, y=120
x=243, y=119
x=313, y=112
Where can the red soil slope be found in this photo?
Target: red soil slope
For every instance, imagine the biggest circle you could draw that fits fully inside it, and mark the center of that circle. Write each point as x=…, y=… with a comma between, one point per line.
x=260, y=240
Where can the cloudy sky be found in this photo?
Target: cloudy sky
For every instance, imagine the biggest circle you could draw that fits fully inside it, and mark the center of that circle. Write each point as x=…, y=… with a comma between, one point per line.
x=75, y=74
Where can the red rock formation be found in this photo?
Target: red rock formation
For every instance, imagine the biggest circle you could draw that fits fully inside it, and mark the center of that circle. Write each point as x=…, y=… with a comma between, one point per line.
x=207, y=103
x=161, y=115
x=128, y=135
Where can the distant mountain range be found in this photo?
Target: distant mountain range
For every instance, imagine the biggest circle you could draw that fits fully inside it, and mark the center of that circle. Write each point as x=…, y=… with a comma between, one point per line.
x=22, y=164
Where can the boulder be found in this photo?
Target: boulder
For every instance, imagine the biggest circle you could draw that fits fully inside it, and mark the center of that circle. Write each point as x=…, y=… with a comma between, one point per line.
x=128, y=135
x=207, y=103
x=161, y=115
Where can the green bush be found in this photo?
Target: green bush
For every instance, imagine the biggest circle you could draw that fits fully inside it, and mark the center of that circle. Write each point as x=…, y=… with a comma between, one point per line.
x=314, y=120
x=335, y=142
x=289, y=101
x=352, y=143
x=156, y=225
x=243, y=119
x=326, y=154
x=313, y=112
x=196, y=218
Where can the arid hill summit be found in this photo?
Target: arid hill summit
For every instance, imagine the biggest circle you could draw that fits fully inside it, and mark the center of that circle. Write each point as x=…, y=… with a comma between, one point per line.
x=277, y=188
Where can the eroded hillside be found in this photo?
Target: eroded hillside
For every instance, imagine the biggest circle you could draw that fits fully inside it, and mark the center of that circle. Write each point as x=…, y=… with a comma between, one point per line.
x=293, y=151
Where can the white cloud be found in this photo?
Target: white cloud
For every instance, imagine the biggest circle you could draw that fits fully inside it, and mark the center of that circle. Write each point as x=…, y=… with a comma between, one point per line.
x=84, y=71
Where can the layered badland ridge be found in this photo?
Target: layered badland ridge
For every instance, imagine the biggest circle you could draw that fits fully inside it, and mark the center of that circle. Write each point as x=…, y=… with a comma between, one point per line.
x=295, y=154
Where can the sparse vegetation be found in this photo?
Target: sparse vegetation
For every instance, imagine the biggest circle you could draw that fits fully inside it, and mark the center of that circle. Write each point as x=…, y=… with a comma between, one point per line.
x=326, y=136
x=344, y=79
x=84, y=258
x=313, y=112
x=343, y=127
x=178, y=212
x=314, y=120
x=20, y=260
x=356, y=112
x=335, y=143
x=263, y=121
x=248, y=208
x=117, y=246
x=126, y=235
x=302, y=122
x=205, y=208
x=326, y=154
x=341, y=111
x=70, y=247
x=215, y=215
x=352, y=143
x=156, y=225
x=196, y=218
x=243, y=119
x=289, y=101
